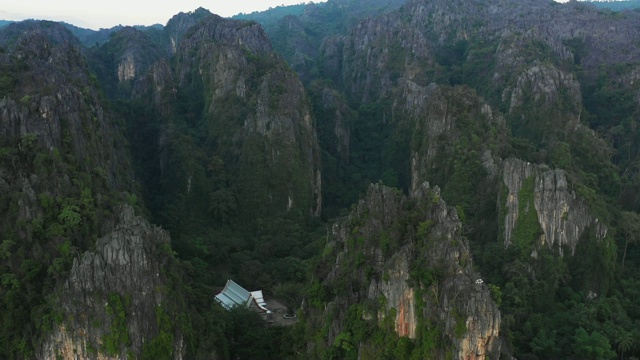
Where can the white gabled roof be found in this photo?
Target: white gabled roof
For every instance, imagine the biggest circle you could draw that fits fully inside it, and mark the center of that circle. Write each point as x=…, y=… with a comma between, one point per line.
x=257, y=296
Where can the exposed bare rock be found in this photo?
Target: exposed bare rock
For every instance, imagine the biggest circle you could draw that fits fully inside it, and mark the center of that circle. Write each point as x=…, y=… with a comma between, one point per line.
x=57, y=103
x=157, y=85
x=342, y=117
x=440, y=117
x=179, y=24
x=228, y=33
x=134, y=53
x=275, y=137
x=562, y=216
x=126, y=68
x=127, y=266
x=400, y=296
x=331, y=53
x=377, y=54
x=64, y=163
x=514, y=174
x=543, y=85
x=408, y=256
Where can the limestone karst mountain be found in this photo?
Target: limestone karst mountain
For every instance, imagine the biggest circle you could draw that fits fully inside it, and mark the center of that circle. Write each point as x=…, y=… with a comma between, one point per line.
x=399, y=266
x=254, y=147
x=241, y=146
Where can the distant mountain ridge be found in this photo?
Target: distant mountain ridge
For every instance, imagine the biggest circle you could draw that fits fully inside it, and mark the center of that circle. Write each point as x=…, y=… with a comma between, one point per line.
x=90, y=37
x=616, y=5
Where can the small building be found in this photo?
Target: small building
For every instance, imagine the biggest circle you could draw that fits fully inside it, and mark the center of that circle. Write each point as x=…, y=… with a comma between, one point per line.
x=235, y=295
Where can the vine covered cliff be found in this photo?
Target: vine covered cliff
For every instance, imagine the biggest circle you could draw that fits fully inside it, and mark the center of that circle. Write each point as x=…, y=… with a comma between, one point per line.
x=399, y=268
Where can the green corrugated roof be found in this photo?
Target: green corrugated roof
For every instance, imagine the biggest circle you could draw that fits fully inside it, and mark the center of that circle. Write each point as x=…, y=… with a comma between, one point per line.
x=233, y=295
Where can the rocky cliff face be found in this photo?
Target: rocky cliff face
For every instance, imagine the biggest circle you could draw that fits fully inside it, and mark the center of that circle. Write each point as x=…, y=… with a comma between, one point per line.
x=378, y=53
x=64, y=168
x=256, y=118
x=498, y=42
x=179, y=24
x=134, y=53
x=53, y=112
x=400, y=264
x=562, y=216
x=125, y=58
x=457, y=133
x=338, y=120
x=300, y=38
x=55, y=100
x=544, y=84
x=115, y=298
x=444, y=119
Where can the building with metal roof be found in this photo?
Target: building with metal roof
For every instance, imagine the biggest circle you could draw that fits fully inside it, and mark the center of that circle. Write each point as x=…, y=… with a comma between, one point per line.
x=235, y=295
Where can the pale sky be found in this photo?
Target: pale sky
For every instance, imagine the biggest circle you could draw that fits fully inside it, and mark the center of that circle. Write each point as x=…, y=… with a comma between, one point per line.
x=108, y=13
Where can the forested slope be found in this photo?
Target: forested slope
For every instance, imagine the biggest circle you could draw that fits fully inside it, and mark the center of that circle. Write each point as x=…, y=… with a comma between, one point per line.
x=501, y=138
x=519, y=112
x=202, y=129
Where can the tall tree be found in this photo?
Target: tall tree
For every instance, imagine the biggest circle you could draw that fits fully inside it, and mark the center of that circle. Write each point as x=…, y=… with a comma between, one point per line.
x=630, y=224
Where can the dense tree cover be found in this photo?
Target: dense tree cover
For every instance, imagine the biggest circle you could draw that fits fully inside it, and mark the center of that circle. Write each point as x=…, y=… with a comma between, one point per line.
x=213, y=196
x=374, y=151
x=618, y=5
x=69, y=198
x=268, y=18
x=198, y=200
x=347, y=320
x=574, y=306
x=579, y=306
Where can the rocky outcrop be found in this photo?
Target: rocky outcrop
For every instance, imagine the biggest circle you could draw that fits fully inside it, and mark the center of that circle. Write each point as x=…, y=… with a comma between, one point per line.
x=301, y=38
x=258, y=114
x=563, y=217
x=55, y=102
x=158, y=86
x=232, y=33
x=134, y=52
x=544, y=85
x=126, y=68
x=378, y=53
x=336, y=111
x=461, y=296
x=331, y=58
x=398, y=294
x=404, y=259
x=125, y=273
x=64, y=168
x=179, y=24
x=38, y=31
x=441, y=119
x=291, y=143
x=412, y=42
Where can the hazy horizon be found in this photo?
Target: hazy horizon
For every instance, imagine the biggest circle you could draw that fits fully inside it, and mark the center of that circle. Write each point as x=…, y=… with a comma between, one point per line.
x=95, y=15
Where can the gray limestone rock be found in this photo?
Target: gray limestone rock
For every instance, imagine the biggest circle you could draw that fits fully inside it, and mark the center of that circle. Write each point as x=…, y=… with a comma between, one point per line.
x=129, y=262
x=386, y=240
x=562, y=216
